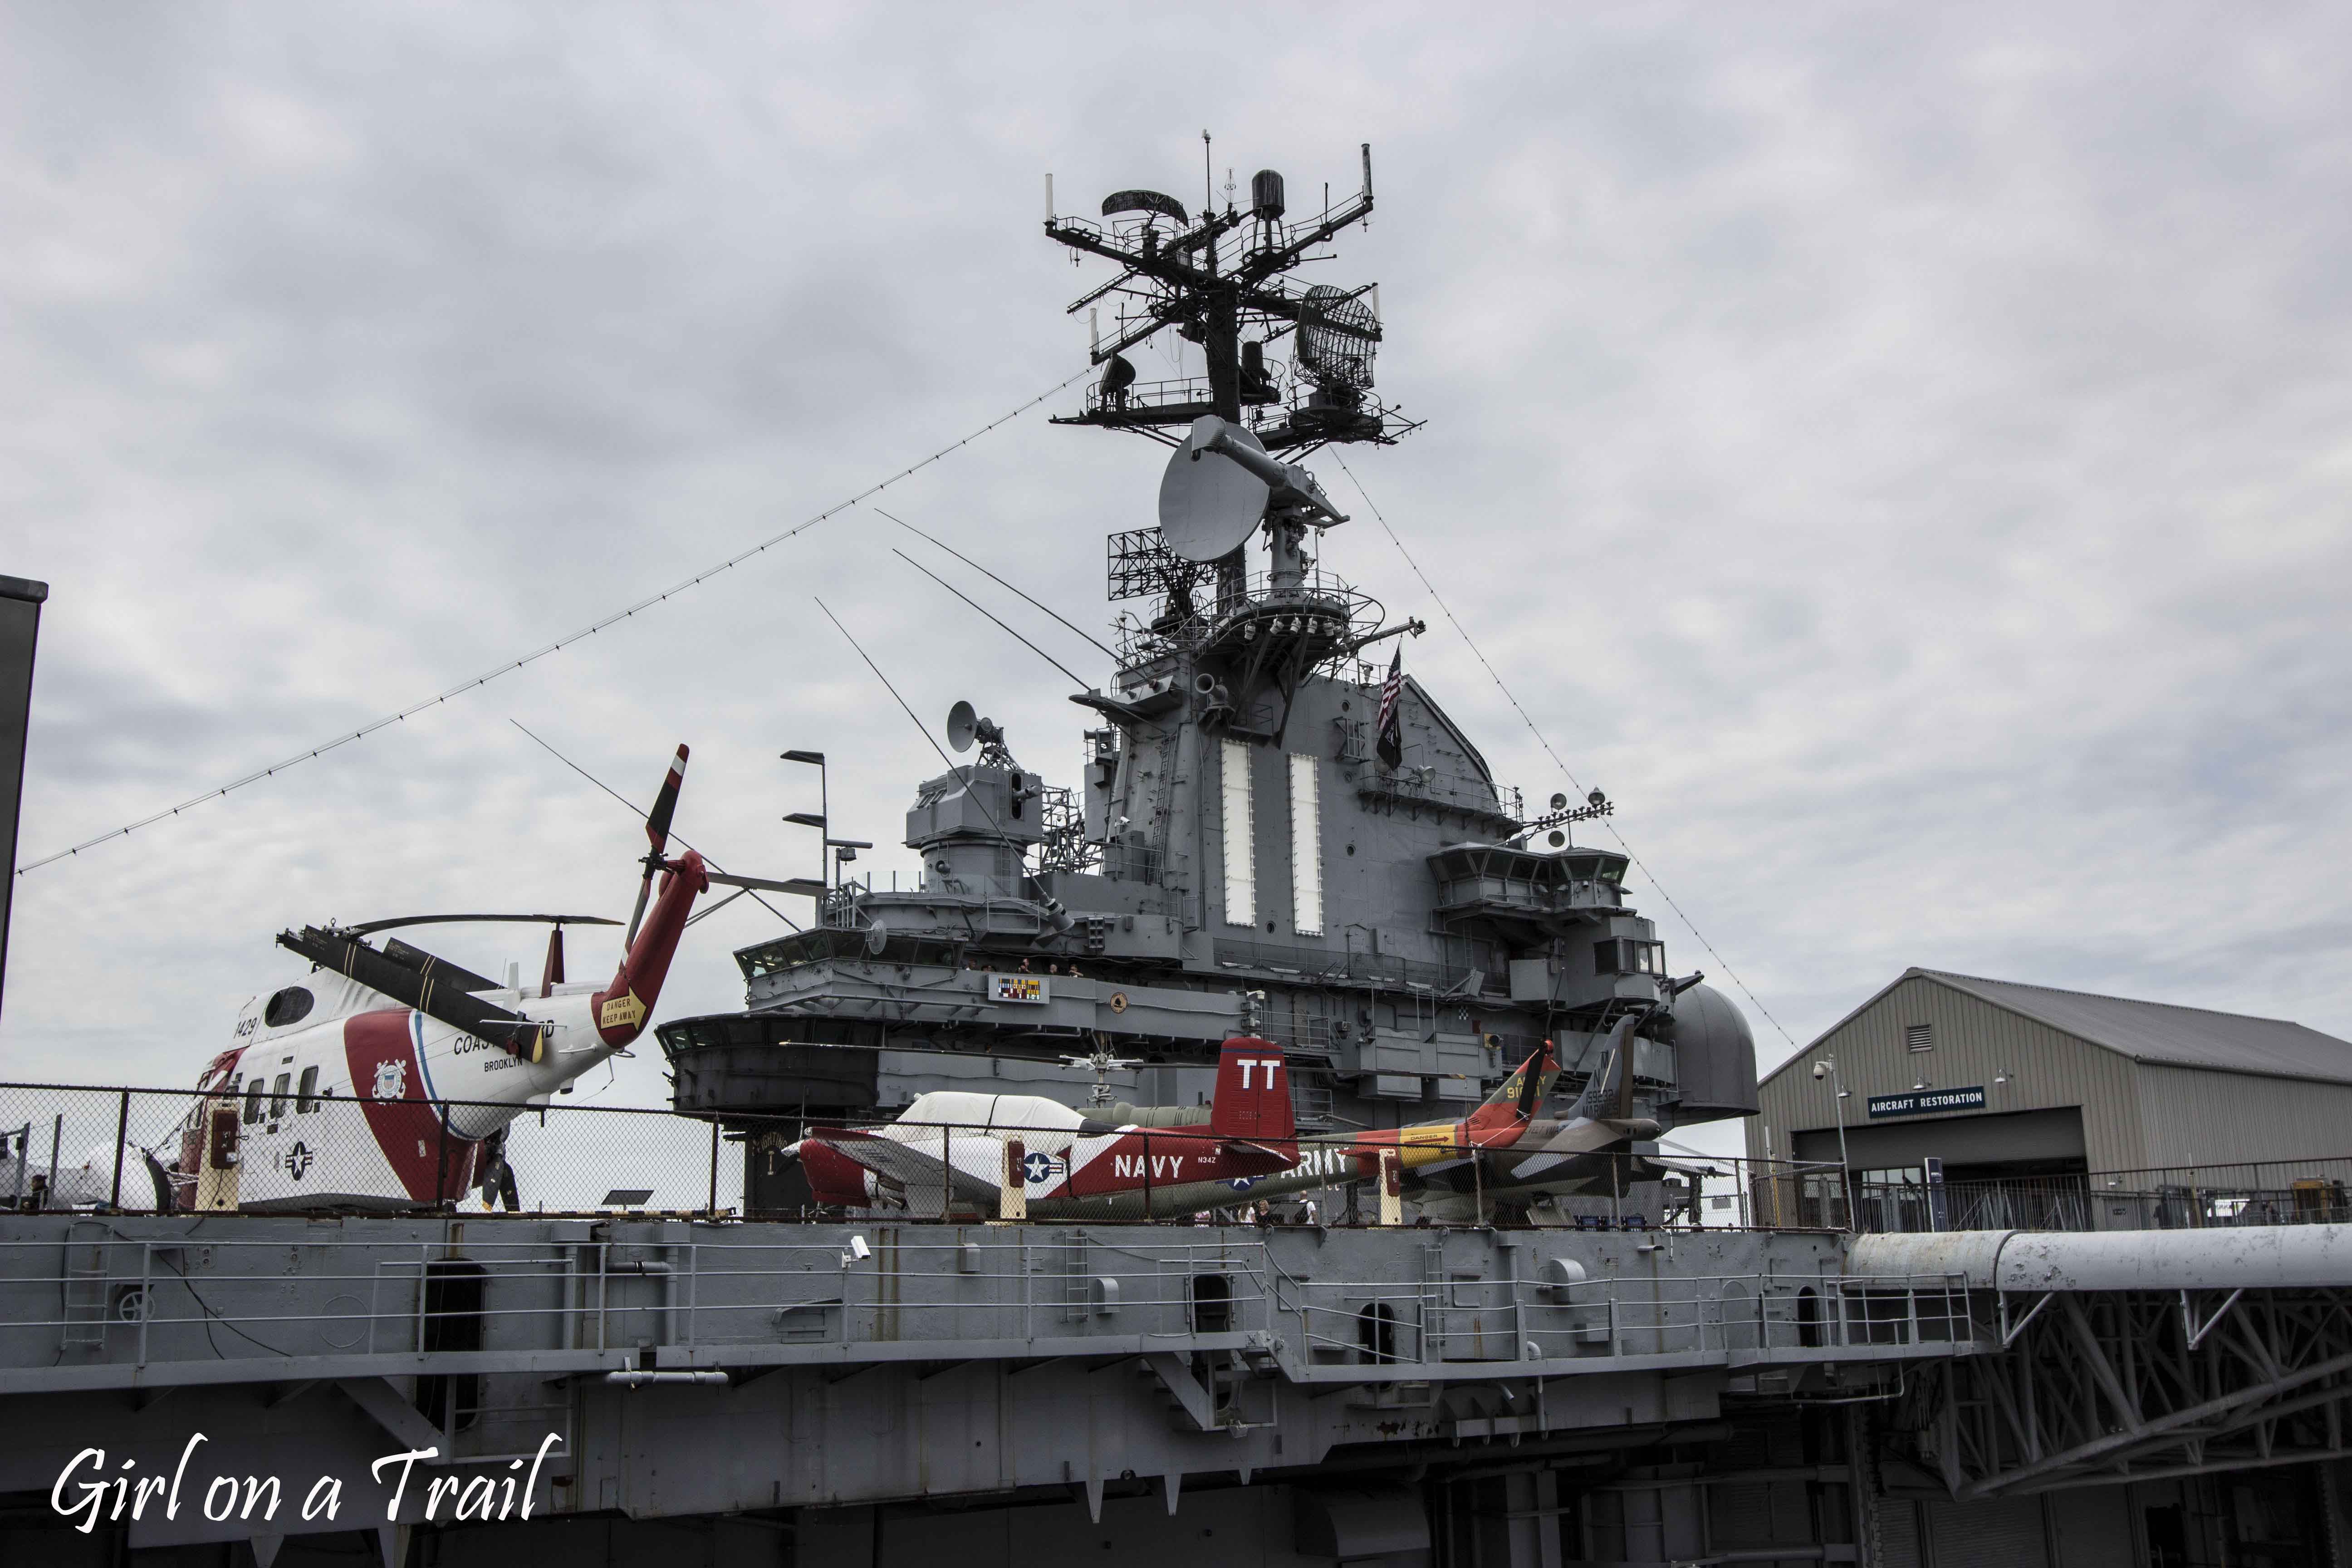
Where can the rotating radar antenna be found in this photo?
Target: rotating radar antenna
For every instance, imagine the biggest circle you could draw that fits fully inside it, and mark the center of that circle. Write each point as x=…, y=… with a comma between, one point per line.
x=1338, y=336
x=1221, y=280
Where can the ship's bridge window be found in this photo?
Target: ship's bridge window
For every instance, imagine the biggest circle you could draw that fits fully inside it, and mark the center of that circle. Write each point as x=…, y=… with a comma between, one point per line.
x=1628, y=955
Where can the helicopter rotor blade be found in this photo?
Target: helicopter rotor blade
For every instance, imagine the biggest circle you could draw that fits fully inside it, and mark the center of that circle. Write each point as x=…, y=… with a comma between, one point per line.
x=658, y=835
x=439, y=969
x=665, y=802
x=369, y=928
x=444, y=1002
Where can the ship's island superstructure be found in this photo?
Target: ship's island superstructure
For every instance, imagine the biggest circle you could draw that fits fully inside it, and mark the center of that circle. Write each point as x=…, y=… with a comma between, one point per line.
x=1242, y=853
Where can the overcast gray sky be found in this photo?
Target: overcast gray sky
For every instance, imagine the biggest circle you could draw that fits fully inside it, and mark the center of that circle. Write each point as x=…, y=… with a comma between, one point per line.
x=1899, y=452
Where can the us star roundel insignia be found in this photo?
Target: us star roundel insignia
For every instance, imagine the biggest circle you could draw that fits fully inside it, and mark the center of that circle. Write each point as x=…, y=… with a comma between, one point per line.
x=1037, y=1167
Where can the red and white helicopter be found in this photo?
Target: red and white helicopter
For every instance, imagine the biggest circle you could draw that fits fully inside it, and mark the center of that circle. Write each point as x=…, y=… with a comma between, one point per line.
x=391, y=1087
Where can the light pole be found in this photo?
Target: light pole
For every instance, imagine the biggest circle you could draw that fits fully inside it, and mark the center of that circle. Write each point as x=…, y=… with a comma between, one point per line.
x=816, y=819
x=830, y=851
x=1827, y=1068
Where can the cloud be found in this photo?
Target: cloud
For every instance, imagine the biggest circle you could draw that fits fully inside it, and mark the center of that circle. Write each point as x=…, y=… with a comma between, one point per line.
x=1899, y=456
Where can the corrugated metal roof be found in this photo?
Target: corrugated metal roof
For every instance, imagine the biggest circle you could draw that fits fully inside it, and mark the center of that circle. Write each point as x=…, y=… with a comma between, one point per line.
x=2175, y=1036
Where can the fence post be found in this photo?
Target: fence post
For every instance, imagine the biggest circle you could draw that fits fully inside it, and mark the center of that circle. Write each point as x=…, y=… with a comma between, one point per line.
x=121, y=1136
x=711, y=1208
x=441, y=1169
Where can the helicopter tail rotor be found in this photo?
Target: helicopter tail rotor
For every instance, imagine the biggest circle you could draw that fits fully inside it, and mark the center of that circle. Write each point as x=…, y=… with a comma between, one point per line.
x=658, y=837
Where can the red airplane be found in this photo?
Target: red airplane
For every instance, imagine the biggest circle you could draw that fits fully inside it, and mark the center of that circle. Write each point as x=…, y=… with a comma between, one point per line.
x=952, y=1152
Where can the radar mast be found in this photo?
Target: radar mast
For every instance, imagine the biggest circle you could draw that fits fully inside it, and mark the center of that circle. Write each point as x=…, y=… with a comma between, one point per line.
x=1222, y=280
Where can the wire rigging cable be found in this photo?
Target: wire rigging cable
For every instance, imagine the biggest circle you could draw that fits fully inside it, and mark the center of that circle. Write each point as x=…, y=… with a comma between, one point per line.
x=540, y=652
x=920, y=727
x=1729, y=974
x=1000, y=581
x=639, y=811
x=1075, y=678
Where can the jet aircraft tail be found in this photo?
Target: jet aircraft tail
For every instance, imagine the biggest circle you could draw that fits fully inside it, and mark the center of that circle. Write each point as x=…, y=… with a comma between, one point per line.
x=1522, y=1094
x=1609, y=1096
x=1253, y=1096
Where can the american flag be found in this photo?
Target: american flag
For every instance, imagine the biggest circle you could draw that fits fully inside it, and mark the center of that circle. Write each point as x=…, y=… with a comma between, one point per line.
x=1392, y=738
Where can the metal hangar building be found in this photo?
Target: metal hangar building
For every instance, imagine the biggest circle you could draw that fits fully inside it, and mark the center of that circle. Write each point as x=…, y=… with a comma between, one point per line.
x=2021, y=1097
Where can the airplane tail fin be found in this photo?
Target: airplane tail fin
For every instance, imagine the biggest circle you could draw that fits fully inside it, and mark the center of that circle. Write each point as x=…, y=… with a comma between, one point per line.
x=1522, y=1093
x=1609, y=1096
x=1253, y=1096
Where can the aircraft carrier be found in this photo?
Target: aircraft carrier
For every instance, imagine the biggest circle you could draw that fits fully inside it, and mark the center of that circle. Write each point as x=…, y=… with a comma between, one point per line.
x=1278, y=832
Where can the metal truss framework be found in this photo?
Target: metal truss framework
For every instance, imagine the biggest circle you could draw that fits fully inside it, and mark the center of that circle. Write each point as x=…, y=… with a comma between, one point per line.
x=2100, y=1387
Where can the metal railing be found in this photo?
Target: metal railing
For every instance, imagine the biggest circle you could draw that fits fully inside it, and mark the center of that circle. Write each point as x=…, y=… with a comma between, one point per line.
x=121, y=1292
x=2315, y=1191
x=302, y=1150
x=150, y=1151
x=1466, y=1317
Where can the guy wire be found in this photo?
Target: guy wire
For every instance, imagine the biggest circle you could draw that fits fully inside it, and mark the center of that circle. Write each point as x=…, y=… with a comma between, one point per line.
x=1729, y=974
x=1000, y=581
x=639, y=811
x=920, y=727
x=975, y=603
x=542, y=651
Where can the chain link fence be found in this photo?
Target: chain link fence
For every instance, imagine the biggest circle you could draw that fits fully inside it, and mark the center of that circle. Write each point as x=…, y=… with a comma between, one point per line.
x=279, y=1146
x=285, y=1147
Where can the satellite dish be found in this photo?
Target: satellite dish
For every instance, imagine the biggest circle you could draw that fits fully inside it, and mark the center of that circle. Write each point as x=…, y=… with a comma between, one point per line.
x=1209, y=505
x=963, y=723
x=877, y=941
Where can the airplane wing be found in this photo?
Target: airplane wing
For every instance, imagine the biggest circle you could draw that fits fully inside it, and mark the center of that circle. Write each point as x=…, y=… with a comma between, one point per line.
x=914, y=1170
x=1243, y=1146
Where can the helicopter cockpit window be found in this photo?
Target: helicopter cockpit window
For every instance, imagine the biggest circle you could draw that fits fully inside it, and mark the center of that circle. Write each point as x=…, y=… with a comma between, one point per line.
x=306, y=1094
x=290, y=1005
x=253, y=1089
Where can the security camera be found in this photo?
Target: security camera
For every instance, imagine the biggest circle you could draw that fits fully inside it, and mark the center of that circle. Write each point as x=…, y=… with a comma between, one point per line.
x=859, y=1251
x=1820, y=1072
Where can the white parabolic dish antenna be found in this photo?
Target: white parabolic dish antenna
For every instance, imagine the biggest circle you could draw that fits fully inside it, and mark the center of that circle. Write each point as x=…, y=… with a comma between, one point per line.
x=1209, y=504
